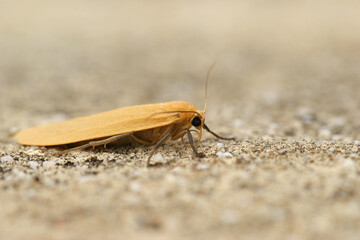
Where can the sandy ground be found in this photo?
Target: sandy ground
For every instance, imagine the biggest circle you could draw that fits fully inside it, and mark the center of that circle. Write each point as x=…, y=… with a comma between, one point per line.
x=286, y=85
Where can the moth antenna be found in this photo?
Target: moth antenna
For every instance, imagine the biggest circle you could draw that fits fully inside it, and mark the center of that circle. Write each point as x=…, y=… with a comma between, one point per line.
x=206, y=85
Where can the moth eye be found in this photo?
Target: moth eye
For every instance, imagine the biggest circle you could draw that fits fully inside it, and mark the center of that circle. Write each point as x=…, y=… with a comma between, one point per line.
x=196, y=121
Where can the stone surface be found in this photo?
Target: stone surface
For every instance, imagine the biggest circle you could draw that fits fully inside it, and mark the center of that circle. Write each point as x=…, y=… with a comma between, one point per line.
x=286, y=85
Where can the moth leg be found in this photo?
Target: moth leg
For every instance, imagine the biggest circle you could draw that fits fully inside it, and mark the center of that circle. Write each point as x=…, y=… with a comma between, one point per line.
x=140, y=140
x=191, y=141
x=97, y=143
x=162, y=140
x=224, y=138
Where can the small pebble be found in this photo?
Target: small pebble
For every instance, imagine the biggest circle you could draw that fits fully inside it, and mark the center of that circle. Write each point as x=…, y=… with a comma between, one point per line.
x=224, y=154
x=13, y=130
x=227, y=154
x=158, y=157
x=34, y=151
x=49, y=164
x=33, y=164
x=105, y=161
x=202, y=166
x=220, y=145
x=6, y=159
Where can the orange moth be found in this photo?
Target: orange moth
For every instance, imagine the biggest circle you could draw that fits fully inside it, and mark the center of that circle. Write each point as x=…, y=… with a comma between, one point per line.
x=150, y=124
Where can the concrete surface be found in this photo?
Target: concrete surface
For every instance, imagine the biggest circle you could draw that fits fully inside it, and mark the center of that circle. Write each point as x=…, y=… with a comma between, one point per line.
x=286, y=85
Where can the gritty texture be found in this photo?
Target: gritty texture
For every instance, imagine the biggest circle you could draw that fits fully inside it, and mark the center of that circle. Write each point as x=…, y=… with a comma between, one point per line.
x=286, y=85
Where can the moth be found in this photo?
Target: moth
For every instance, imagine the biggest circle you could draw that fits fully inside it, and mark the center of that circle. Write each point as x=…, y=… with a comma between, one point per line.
x=149, y=124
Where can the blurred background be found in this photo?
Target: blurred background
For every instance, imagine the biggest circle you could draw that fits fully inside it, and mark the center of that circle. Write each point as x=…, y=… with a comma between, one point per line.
x=69, y=58
x=285, y=69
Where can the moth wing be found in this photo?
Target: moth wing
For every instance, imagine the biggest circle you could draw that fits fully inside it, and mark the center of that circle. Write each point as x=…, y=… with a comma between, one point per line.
x=106, y=124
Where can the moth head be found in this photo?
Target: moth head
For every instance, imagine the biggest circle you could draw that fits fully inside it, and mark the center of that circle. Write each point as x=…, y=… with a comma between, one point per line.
x=197, y=121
